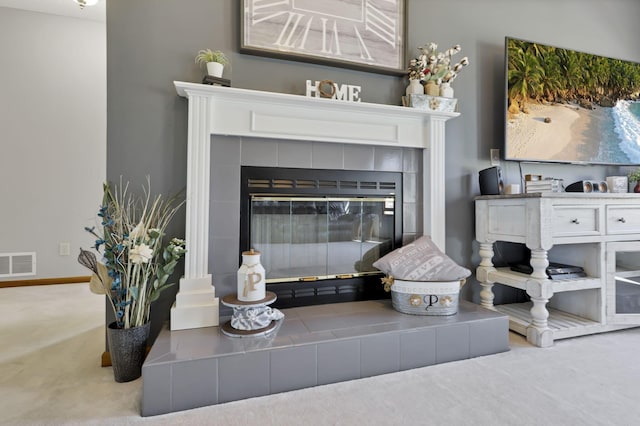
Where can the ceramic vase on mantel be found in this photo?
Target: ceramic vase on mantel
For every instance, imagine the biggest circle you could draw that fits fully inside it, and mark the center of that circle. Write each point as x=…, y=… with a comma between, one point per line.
x=215, y=69
x=127, y=349
x=414, y=87
x=446, y=91
x=431, y=88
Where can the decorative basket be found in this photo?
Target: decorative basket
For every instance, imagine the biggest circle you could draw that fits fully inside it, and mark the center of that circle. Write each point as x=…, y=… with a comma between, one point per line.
x=426, y=297
x=433, y=103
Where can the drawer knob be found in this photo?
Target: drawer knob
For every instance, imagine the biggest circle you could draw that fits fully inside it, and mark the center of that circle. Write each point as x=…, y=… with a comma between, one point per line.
x=576, y=221
x=621, y=220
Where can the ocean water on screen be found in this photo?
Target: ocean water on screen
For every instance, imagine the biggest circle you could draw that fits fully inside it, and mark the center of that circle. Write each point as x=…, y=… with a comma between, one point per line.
x=626, y=126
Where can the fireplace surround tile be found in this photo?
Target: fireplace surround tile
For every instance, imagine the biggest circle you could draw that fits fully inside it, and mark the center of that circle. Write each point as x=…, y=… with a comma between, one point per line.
x=417, y=348
x=410, y=187
x=379, y=354
x=293, y=368
x=195, y=384
x=243, y=376
x=338, y=361
x=225, y=151
x=358, y=157
x=387, y=159
x=285, y=360
x=225, y=214
x=259, y=152
x=226, y=185
x=452, y=343
x=327, y=155
x=411, y=160
x=294, y=154
x=224, y=258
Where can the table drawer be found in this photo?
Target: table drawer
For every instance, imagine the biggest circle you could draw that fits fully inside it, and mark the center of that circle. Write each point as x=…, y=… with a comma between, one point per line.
x=574, y=221
x=623, y=219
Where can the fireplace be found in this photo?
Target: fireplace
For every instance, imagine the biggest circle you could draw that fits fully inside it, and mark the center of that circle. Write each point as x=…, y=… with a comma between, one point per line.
x=315, y=345
x=321, y=230
x=230, y=128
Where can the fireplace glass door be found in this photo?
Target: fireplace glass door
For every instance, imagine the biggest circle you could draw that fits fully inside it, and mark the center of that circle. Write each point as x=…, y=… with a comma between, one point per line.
x=312, y=238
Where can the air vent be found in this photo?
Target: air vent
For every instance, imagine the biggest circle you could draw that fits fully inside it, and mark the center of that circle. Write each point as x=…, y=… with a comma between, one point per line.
x=302, y=183
x=368, y=185
x=328, y=184
x=388, y=186
x=259, y=183
x=17, y=264
x=283, y=183
x=348, y=184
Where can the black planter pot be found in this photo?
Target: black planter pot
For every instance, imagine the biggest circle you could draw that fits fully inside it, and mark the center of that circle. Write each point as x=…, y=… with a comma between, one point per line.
x=127, y=348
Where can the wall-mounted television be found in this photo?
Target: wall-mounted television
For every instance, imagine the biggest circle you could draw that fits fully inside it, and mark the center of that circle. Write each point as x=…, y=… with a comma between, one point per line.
x=567, y=106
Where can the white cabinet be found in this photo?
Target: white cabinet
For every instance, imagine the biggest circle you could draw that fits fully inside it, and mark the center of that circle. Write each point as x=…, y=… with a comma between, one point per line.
x=599, y=232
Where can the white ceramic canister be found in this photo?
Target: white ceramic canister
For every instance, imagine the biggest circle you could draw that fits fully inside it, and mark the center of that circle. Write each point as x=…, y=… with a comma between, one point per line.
x=251, y=279
x=446, y=91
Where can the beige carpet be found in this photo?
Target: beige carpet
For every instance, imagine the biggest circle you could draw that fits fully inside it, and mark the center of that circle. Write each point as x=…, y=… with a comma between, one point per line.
x=52, y=337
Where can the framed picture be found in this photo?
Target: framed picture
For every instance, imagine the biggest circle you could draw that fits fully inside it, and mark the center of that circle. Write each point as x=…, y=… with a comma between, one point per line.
x=366, y=35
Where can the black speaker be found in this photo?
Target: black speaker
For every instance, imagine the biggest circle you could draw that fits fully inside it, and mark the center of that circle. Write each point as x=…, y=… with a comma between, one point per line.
x=587, y=186
x=491, y=181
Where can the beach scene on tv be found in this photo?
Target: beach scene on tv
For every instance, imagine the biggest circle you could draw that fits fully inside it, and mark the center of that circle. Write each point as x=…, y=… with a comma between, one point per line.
x=572, y=107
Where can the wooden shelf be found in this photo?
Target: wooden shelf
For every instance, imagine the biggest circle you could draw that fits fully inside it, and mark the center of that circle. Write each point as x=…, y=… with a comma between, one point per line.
x=563, y=324
x=519, y=280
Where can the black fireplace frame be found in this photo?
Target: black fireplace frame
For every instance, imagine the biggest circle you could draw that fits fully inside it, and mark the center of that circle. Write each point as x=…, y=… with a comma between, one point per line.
x=320, y=182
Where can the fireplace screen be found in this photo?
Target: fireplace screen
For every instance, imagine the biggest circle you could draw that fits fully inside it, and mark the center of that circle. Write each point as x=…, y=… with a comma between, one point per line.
x=309, y=238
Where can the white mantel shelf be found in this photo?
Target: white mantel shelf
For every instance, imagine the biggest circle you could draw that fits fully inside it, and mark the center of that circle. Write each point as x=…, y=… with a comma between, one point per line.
x=217, y=110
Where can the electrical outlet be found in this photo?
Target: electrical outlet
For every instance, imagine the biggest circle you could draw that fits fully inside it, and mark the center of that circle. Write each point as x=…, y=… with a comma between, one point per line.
x=495, y=157
x=64, y=249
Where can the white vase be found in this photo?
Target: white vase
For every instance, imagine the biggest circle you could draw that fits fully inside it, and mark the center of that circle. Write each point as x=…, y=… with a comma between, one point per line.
x=251, y=278
x=446, y=91
x=215, y=69
x=414, y=87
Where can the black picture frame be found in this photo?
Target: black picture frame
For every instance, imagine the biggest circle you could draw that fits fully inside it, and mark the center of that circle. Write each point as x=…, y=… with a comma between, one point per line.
x=365, y=35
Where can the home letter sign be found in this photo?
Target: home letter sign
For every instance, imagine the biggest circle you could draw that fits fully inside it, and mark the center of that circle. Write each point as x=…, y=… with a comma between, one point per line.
x=344, y=92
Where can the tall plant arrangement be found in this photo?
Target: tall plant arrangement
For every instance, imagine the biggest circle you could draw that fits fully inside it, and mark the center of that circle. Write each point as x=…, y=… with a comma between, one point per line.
x=135, y=266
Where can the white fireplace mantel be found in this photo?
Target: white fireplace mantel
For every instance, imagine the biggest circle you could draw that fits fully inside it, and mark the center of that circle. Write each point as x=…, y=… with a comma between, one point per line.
x=216, y=110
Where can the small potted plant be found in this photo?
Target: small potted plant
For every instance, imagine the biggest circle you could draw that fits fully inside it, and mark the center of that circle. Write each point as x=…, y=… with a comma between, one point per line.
x=634, y=176
x=214, y=59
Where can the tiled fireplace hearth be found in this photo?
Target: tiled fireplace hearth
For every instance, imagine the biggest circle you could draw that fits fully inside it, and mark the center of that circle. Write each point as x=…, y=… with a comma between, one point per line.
x=195, y=364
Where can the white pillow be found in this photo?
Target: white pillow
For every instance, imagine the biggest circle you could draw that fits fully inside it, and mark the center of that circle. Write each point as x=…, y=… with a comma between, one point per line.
x=421, y=261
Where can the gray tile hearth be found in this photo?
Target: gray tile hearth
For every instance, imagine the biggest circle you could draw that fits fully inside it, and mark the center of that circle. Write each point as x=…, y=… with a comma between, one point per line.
x=312, y=346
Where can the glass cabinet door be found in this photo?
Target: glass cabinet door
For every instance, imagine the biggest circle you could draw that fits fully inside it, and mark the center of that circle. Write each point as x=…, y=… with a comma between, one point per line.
x=623, y=282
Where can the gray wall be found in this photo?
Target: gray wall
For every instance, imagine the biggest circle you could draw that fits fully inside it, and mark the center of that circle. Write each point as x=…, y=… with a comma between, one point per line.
x=151, y=43
x=52, y=136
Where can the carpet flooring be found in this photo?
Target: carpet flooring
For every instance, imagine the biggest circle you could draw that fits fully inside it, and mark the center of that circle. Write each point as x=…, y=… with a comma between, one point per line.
x=52, y=337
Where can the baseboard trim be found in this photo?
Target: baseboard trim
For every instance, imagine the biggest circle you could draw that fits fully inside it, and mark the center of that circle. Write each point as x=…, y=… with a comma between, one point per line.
x=45, y=281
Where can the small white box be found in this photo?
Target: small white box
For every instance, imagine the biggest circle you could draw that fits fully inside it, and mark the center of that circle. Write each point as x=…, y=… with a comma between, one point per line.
x=512, y=188
x=617, y=183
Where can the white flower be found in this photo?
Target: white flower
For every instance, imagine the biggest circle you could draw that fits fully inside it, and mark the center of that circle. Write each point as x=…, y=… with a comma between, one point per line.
x=141, y=254
x=136, y=232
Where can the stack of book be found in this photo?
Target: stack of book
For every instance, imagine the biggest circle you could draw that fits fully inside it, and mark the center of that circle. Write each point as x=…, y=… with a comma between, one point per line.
x=544, y=185
x=555, y=271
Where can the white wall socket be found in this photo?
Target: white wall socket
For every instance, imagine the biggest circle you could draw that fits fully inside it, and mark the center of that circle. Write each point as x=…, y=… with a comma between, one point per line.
x=64, y=249
x=495, y=157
